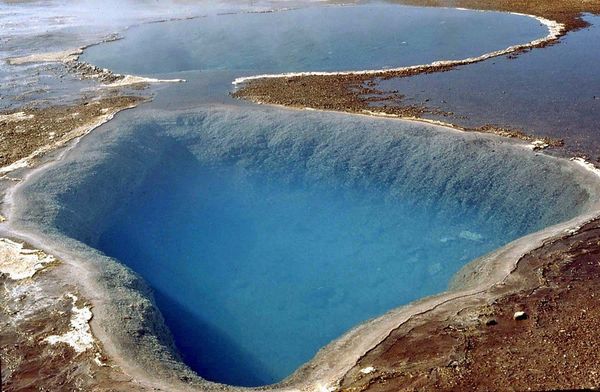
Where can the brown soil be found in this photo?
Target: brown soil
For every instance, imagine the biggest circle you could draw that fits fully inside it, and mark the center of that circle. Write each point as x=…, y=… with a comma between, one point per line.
x=567, y=12
x=20, y=138
x=483, y=348
x=336, y=92
x=28, y=363
x=353, y=94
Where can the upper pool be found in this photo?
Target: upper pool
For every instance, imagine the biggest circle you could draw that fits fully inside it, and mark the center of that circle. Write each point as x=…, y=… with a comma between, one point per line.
x=330, y=38
x=266, y=233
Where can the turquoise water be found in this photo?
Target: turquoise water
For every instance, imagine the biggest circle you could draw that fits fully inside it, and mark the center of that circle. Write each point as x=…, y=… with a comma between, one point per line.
x=264, y=252
x=267, y=233
x=255, y=272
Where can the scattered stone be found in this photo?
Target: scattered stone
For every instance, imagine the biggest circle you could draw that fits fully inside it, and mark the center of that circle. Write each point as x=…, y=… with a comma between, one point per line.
x=15, y=117
x=537, y=145
x=367, y=370
x=491, y=322
x=98, y=360
x=520, y=315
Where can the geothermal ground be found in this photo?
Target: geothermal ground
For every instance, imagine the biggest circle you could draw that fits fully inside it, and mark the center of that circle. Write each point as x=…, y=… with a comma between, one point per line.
x=536, y=330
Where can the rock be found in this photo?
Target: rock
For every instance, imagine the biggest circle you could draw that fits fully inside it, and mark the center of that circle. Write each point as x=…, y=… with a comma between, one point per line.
x=491, y=322
x=520, y=315
x=539, y=145
x=367, y=370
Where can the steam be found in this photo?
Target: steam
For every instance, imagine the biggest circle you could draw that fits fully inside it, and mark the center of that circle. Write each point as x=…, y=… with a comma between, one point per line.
x=29, y=17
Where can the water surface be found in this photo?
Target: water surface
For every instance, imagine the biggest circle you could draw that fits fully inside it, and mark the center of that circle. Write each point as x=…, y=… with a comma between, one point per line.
x=551, y=92
x=315, y=39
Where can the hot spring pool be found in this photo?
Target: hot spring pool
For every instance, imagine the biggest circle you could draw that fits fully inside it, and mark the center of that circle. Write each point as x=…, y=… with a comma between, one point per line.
x=266, y=233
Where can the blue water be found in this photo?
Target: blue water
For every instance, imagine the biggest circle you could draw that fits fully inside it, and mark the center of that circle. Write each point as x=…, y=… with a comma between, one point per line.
x=314, y=39
x=255, y=268
x=553, y=92
x=267, y=233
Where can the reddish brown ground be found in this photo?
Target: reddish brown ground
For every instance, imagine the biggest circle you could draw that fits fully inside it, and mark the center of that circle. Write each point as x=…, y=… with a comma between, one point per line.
x=28, y=363
x=567, y=12
x=18, y=139
x=483, y=348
